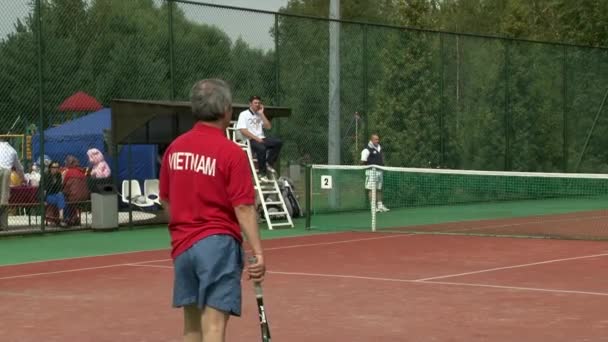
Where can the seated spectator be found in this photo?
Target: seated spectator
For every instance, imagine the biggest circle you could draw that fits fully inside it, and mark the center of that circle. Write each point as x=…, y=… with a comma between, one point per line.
x=16, y=179
x=75, y=188
x=52, y=193
x=33, y=177
x=72, y=168
x=99, y=167
x=44, y=159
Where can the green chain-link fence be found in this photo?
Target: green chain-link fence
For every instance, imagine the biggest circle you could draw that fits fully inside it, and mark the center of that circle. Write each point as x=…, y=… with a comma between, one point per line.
x=437, y=99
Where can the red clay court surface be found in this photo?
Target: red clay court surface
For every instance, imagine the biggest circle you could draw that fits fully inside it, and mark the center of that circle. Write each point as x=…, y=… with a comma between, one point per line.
x=333, y=287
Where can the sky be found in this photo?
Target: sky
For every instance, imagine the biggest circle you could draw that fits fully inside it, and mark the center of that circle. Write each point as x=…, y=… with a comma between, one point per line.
x=253, y=28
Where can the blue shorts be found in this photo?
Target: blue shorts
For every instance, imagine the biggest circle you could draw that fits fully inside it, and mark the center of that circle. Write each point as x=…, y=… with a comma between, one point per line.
x=209, y=274
x=57, y=200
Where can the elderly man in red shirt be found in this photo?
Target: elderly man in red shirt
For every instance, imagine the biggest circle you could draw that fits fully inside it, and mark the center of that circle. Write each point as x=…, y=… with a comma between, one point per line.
x=207, y=190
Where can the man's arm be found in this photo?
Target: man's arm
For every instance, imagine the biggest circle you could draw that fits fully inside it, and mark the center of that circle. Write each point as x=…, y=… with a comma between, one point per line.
x=241, y=194
x=166, y=207
x=245, y=132
x=265, y=121
x=364, y=156
x=247, y=218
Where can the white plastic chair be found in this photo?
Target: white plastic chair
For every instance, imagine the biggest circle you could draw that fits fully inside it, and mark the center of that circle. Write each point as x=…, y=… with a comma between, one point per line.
x=152, y=190
x=135, y=196
x=235, y=135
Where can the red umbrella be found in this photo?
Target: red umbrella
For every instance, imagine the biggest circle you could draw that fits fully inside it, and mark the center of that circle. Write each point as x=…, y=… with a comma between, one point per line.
x=80, y=102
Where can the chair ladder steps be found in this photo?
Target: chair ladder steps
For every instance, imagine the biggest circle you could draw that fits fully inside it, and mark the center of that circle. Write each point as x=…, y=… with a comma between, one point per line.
x=280, y=217
x=282, y=224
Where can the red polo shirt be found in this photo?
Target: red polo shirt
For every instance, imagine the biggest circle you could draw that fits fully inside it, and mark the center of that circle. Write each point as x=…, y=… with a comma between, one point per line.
x=204, y=176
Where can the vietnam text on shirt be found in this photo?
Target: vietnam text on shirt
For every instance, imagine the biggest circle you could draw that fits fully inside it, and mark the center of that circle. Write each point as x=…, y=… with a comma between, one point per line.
x=187, y=161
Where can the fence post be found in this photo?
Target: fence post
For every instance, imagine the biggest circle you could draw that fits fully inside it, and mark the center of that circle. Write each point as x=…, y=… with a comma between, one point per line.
x=277, y=78
x=307, y=194
x=507, y=119
x=171, y=49
x=40, y=51
x=441, y=102
x=565, y=109
x=129, y=177
x=365, y=85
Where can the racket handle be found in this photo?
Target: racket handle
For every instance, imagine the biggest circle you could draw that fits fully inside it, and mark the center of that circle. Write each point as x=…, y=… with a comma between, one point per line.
x=256, y=284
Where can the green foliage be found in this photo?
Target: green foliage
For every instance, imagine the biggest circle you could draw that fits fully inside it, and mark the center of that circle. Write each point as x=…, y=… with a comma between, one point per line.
x=116, y=49
x=406, y=105
x=566, y=21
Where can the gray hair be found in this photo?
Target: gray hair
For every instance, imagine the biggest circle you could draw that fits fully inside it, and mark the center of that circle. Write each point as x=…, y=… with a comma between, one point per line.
x=210, y=99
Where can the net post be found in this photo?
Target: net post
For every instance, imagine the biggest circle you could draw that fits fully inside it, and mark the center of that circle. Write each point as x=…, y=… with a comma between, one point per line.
x=373, y=176
x=307, y=194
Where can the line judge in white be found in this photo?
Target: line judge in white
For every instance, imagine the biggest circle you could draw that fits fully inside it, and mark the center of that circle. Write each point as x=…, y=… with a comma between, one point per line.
x=372, y=154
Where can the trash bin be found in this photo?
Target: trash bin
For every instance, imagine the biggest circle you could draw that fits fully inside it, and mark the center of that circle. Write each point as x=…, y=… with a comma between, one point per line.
x=104, y=208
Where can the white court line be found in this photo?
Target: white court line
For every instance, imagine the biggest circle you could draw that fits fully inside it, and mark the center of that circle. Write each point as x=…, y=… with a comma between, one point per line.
x=159, y=249
x=78, y=269
x=513, y=266
x=391, y=236
x=84, y=257
x=306, y=245
x=525, y=223
x=144, y=265
x=502, y=287
x=439, y=283
x=62, y=271
x=516, y=288
x=163, y=260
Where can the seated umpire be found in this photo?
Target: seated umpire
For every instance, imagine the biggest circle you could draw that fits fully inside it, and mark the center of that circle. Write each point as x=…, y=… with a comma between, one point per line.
x=251, y=124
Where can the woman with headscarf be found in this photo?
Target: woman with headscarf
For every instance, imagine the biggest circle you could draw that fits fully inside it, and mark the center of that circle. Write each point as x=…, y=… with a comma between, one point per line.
x=99, y=167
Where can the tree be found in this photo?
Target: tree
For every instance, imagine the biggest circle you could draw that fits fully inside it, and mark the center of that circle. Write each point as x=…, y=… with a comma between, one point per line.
x=406, y=102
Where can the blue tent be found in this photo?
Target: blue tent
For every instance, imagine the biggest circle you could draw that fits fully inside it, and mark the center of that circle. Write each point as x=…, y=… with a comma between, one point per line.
x=77, y=136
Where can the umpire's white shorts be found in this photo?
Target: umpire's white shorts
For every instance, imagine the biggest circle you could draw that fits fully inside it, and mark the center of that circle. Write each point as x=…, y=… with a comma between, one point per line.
x=373, y=177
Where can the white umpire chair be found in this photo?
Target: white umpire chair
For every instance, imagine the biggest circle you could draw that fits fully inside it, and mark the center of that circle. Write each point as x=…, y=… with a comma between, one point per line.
x=269, y=193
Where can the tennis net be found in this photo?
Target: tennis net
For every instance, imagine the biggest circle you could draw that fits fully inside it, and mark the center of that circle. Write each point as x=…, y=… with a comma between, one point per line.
x=458, y=201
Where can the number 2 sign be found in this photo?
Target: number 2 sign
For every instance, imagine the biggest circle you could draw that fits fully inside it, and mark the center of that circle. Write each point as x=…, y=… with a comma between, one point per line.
x=326, y=182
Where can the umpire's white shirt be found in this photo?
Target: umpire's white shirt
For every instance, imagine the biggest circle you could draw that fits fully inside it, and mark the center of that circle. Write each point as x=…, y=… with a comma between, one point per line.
x=252, y=122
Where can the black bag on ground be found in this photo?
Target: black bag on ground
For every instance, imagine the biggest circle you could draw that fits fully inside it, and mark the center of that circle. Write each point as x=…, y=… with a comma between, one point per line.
x=290, y=197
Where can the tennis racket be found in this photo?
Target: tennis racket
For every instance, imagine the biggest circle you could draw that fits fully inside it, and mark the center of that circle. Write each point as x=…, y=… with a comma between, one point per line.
x=259, y=297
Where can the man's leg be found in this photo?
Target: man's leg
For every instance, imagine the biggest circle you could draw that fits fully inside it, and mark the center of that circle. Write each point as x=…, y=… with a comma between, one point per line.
x=379, y=183
x=218, y=265
x=208, y=325
x=214, y=324
x=5, y=193
x=259, y=150
x=61, y=206
x=380, y=205
x=3, y=218
x=274, y=148
x=185, y=293
x=193, y=331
